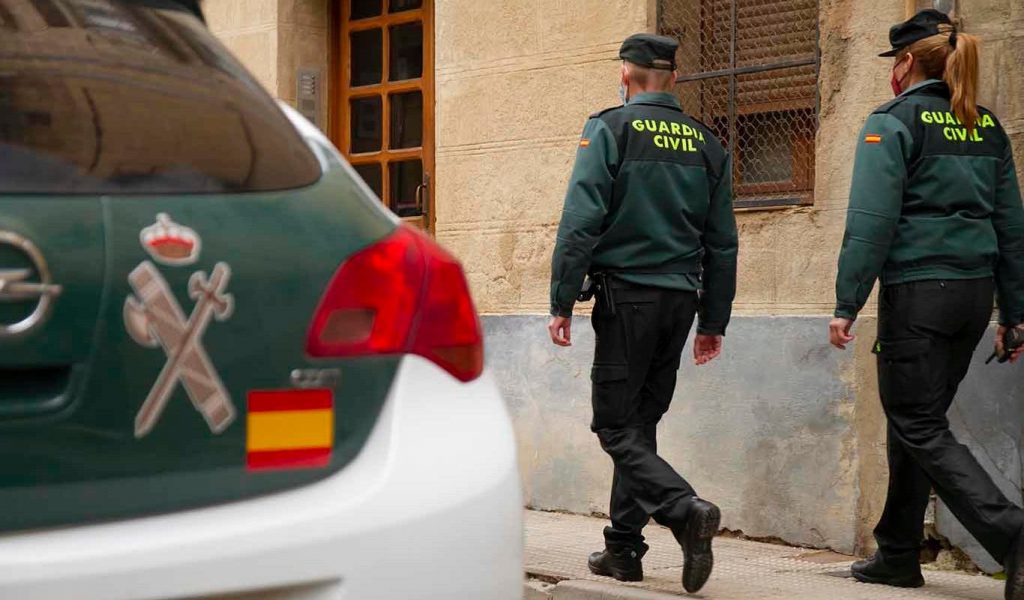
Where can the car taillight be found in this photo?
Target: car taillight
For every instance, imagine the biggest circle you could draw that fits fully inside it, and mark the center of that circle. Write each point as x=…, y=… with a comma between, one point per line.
x=402, y=295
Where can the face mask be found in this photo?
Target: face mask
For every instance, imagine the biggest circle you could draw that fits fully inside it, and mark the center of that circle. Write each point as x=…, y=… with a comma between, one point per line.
x=622, y=94
x=896, y=82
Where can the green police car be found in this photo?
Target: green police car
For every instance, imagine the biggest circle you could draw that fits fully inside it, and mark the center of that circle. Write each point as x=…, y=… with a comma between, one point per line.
x=224, y=367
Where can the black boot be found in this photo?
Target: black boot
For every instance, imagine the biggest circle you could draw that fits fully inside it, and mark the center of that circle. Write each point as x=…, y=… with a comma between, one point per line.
x=623, y=564
x=695, y=538
x=905, y=574
x=1015, y=569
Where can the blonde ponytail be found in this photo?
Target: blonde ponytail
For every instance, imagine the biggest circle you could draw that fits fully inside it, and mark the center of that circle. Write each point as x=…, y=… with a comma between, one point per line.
x=953, y=57
x=962, y=78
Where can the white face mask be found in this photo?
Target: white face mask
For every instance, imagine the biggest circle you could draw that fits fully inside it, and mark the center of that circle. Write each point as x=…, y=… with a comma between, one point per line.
x=622, y=94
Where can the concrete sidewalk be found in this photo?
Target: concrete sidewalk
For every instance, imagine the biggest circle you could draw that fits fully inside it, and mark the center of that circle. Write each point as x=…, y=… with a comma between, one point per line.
x=557, y=547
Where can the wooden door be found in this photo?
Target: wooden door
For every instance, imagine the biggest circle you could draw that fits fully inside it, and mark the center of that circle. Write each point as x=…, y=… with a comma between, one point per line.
x=383, y=117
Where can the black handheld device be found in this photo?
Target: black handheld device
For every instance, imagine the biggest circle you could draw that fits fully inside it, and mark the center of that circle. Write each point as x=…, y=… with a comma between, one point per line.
x=1012, y=340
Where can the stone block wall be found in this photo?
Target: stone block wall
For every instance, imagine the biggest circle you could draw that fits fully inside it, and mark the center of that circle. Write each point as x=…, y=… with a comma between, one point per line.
x=516, y=81
x=249, y=29
x=274, y=39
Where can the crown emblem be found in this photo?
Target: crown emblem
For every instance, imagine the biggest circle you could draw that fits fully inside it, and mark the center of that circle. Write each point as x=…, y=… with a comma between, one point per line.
x=170, y=243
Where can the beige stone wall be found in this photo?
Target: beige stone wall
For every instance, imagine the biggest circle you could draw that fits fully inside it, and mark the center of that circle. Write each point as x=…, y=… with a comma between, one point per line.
x=303, y=38
x=515, y=84
x=275, y=38
x=516, y=80
x=249, y=29
x=1000, y=24
x=514, y=89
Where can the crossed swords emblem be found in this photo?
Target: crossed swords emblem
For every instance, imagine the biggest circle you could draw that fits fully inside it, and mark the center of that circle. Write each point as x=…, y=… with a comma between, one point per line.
x=154, y=318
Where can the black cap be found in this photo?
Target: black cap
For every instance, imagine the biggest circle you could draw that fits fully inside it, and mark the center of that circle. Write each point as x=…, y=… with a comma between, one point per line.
x=652, y=51
x=923, y=25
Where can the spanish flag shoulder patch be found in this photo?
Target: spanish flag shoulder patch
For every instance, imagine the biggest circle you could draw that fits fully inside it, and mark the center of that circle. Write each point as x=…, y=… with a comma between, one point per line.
x=289, y=429
x=872, y=138
x=584, y=143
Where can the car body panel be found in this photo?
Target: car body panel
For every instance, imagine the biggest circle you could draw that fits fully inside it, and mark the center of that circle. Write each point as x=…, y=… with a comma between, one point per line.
x=430, y=510
x=282, y=248
x=42, y=369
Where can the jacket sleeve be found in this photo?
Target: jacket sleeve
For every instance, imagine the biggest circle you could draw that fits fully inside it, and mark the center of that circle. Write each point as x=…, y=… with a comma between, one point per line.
x=586, y=205
x=1008, y=221
x=721, y=244
x=876, y=202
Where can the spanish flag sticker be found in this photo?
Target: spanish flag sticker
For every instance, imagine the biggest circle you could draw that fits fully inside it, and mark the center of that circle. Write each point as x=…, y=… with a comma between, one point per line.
x=872, y=138
x=289, y=429
x=584, y=143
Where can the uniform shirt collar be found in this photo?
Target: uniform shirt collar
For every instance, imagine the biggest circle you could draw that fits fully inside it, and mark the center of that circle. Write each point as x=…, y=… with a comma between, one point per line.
x=664, y=98
x=918, y=86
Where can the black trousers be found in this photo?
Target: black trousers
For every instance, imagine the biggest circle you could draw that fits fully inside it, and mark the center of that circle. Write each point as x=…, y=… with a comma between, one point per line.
x=634, y=376
x=927, y=334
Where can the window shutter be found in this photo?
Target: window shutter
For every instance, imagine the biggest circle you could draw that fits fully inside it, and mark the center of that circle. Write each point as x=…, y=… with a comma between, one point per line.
x=759, y=95
x=767, y=32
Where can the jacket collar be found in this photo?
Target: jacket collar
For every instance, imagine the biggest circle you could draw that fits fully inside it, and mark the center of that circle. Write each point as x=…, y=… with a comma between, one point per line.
x=662, y=98
x=920, y=86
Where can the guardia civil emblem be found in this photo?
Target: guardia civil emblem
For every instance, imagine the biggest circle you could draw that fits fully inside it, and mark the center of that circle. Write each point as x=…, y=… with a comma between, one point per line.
x=154, y=319
x=169, y=243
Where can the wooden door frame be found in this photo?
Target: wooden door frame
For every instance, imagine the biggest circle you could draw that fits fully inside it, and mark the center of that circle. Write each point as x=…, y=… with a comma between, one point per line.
x=338, y=123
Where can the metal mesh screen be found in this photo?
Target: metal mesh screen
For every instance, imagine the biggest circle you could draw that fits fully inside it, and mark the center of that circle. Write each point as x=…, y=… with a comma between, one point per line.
x=749, y=70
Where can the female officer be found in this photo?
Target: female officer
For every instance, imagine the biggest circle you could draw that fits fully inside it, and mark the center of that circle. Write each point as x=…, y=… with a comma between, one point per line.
x=935, y=212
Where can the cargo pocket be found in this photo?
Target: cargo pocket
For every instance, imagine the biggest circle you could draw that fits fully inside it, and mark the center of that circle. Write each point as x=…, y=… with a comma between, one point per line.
x=609, y=397
x=903, y=373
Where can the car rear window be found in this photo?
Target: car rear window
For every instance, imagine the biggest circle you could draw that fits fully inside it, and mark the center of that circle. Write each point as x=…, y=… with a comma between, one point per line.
x=118, y=97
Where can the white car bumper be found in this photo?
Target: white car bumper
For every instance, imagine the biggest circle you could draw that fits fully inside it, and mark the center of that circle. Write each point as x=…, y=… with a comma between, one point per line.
x=430, y=509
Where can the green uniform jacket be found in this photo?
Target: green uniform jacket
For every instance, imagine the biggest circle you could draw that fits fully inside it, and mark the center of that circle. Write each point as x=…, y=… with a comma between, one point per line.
x=650, y=200
x=931, y=200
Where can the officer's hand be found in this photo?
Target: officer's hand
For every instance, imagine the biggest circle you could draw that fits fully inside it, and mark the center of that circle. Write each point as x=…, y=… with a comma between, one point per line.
x=706, y=348
x=560, y=330
x=1000, y=349
x=839, y=332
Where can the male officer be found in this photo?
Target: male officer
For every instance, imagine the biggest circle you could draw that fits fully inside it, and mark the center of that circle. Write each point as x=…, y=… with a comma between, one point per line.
x=649, y=216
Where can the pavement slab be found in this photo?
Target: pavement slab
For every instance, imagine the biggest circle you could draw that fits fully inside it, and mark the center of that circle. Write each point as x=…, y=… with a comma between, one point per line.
x=557, y=547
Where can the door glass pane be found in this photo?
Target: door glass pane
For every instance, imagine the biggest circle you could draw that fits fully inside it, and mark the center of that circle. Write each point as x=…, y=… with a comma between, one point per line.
x=405, y=178
x=406, y=51
x=366, y=124
x=367, y=57
x=406, y=120
x=400, y=5
x=362, y=9
x=372, y=175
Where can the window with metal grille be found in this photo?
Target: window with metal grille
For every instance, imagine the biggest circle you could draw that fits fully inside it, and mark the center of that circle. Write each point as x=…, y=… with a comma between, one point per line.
x=749, y=70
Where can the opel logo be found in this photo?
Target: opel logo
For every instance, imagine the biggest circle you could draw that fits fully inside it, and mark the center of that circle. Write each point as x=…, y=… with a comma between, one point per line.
x=17, y=285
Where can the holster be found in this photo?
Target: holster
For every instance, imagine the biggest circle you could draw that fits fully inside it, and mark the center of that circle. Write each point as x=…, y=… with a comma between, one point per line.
x=587, y=291
x=598, y=285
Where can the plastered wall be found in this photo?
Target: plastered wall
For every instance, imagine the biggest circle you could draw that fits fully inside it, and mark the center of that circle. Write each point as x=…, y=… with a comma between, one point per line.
x=515, y=85
x=516, y=81
x=249, y=29
x=274, y=39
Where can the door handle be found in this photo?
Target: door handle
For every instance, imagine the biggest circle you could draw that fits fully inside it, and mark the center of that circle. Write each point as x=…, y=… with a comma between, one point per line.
x=422, y=198
x=37, y=391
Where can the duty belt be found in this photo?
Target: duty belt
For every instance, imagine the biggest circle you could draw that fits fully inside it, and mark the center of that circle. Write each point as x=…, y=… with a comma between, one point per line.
x=599, y=283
